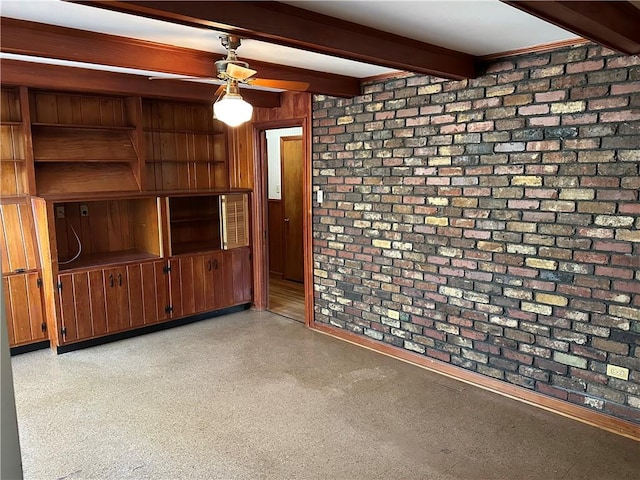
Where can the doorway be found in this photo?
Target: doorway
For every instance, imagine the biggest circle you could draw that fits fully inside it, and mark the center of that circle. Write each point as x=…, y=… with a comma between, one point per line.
x=285, y=170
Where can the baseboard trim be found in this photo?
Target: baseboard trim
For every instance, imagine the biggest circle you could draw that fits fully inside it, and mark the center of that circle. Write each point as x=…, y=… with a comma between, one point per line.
x=156, y=327
x=554, y=405
x=30, y=347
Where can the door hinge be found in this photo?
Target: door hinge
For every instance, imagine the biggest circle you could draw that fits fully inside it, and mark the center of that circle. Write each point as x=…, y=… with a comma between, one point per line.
x=59, y=285
x=44, y=327
x=39, y=283
x=64, y=331
x=166, y=269
x=168, y=309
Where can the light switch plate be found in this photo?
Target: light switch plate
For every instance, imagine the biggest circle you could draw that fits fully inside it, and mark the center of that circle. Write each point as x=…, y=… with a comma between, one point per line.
x=320, y=196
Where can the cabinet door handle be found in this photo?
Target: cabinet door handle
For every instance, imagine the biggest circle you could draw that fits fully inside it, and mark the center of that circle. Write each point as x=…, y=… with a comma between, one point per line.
x=111, y=280
x=215, y=264
x=210, y=265
x=120, y=279
x=286, y=220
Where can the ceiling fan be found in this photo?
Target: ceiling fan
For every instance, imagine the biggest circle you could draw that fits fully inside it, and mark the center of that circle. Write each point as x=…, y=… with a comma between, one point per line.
x=229, y=106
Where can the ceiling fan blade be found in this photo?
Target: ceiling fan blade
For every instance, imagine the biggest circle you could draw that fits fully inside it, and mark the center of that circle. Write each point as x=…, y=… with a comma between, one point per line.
x=280, y=84
x=239, y=73
x=183, y=77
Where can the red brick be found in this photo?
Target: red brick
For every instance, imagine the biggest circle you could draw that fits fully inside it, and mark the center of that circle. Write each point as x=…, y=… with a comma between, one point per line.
x=623, y=273
x=552, y=391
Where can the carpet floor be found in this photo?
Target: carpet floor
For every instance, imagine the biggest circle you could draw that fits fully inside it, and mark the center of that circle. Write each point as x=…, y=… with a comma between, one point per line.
x=253, y=395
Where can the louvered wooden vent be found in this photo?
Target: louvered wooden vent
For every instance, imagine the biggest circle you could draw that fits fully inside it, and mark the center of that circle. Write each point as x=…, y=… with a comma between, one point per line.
x=234, y=212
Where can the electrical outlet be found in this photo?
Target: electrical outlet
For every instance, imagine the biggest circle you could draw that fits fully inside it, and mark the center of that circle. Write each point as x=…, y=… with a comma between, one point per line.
x=84, y=210
x=59, y=211
x=618, y=372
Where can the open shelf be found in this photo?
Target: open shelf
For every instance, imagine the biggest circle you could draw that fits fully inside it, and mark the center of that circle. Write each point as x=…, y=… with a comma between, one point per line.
x=194, y=224
x=54, y=145
x=204, y=218
x=107, y=258
x=192, y=247
x=107, y=231
x=84, y=178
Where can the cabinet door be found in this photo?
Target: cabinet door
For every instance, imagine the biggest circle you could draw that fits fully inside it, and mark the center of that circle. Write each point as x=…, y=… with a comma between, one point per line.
x=182, y=287
x=223, y=279
x=200, y=273
x=117, y=299
x=69, y=327
x=240, y=259
x=155, y=292
x=214, y=284
x=135, y=296
x=147, y=293
x=82, y=302
x=23, y=307
x=17, y=240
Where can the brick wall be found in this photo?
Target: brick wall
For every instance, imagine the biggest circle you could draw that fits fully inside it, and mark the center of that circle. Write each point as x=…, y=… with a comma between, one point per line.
x=493, y=224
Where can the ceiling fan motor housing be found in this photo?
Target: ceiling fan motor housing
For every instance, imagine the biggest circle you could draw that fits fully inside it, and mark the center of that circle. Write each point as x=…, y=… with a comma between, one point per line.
x=230, y=43
x=221, y=66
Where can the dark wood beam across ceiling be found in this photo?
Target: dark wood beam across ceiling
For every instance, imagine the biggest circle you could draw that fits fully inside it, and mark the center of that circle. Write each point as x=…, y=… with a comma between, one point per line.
x=41, y=40
x=57, y=77
x=614, y=24
x=282, y=24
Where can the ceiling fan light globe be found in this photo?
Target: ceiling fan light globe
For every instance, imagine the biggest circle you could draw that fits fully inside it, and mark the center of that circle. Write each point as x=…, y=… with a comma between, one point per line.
x=233, y=110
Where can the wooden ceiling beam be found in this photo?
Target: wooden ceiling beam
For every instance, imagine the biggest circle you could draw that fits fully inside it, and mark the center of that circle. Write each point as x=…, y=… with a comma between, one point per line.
x=57, y=77
x=49, y=41
x=282, y=24
x=614, y=24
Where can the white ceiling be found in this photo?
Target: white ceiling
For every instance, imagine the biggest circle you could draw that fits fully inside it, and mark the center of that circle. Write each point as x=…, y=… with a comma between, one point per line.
x=475, y=27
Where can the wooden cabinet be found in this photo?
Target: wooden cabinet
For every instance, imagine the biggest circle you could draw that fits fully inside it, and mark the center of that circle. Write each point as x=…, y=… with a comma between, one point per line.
x=23, y=302
x=97, y=302
x=211, y=259
x=197, y=284
x=99, y=196
x=21, y=274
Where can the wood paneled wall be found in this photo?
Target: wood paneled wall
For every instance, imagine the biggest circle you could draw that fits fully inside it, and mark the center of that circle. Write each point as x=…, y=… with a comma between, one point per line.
x=76, y=109
x=276, y=238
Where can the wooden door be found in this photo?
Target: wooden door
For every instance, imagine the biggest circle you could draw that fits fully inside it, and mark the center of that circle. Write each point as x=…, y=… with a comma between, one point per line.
x=212, y=285
x=155, y=292
x=181, y=282
x=117, y=299
x=135, y=295
x=68, y=326
x=23, y=301
x=238, y=274
x=222, y=288
x=292, y=161
x=202, y=266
